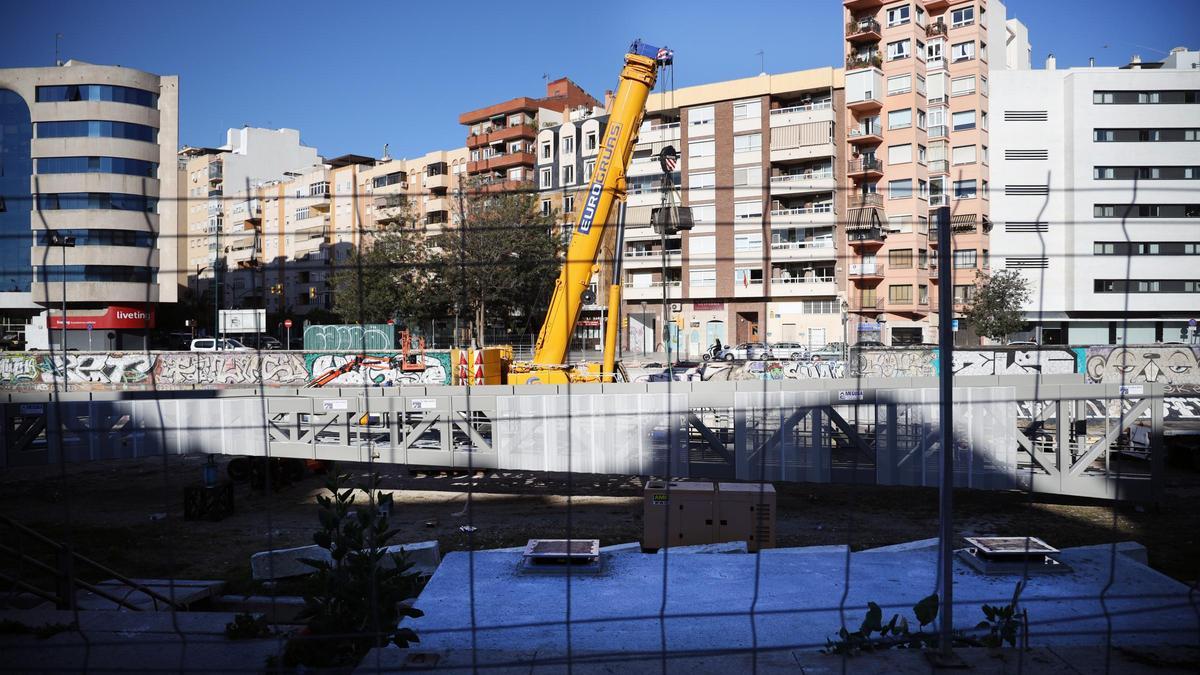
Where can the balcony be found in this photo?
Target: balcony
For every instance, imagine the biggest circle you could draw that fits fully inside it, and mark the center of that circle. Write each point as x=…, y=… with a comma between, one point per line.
x=636, y=258
x=868, y=305
x=814, y=249
x=674, y=290
x=500, y=134
x=817, y=214
x=939, y=166
x=752, y=288
x=498, y=162
x=872, y=271
x=861, y=61
x=437, y=204
x=939, y=200
x=865, y=167
x=863, y=30
x=935, y=29
x=803, y=183
x=868, y=103
x=819, y=111
x=865, y=237
x=216, y=173
x=866, y=134
x=437, y=181
x=811, y=286
x=659, y=132
x=938, y=131
x=866, y=201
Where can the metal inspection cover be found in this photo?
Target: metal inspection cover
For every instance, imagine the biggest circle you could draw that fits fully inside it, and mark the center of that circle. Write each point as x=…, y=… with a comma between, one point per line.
x=1011, y=546
x=562, y=548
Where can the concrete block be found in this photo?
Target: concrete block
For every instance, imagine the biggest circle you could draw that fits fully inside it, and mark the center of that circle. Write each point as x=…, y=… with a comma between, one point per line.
x=631, y=547
x=1130, y=549
x=424, y=555
x=829, y=548
x=723, y=547
x=285, y=562
x=918, y=545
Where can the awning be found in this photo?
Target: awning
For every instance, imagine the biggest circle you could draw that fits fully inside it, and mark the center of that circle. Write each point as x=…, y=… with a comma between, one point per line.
x=863, y=218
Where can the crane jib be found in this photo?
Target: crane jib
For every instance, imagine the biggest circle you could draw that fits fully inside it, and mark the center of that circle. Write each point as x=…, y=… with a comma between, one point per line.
x=597, y=188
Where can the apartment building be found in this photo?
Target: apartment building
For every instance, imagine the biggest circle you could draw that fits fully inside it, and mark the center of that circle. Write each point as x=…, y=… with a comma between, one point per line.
x=1096, y=187
x=423, y=188
x=86, y=211
x=917, y=115
x=501, y=137
x=758, y=166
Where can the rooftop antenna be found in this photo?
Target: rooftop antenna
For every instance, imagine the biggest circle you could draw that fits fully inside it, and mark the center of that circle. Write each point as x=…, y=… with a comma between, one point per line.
x=386, y=157
x=762, y=60
x=57, y=60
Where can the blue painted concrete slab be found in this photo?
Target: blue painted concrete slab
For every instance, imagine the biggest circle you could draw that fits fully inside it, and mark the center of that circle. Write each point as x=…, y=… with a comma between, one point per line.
x=794, y=595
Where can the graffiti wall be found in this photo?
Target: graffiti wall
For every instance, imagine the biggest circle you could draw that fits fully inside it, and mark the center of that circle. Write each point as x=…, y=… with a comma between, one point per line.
x=350, y=337
x=1177, y=366
x=187, y=370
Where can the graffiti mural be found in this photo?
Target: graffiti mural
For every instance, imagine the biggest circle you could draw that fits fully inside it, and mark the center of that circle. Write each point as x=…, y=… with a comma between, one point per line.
x=894, y=363
x=350, y=337
x=1177, y=366
x=18, y=369
x=1014, y=361
x=102, y=369
x=231, y=369
x=379, y=370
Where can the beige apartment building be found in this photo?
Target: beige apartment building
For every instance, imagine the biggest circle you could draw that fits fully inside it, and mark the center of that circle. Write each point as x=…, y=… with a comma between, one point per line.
x=423, y=187
x=916, y=115
x=759, y=168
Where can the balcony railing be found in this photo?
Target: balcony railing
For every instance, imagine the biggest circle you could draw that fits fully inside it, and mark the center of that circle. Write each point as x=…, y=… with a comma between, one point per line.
x=657, y=284
x=869, y=234
x=651, y=253
x=857, y=61
x=939, y=166
x=663, y=127
x=862, y=26
x=803, y=210
x=875, y=129
x=803, y=280
x=865, y=164
x=800, y=177
x=807, y=107
x=866, y=201
x=874, y=269
x=795, y=245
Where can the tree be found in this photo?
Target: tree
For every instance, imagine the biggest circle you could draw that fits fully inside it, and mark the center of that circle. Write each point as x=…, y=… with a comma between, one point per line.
x=389, y=277
x=500, y=264
x=995, y=311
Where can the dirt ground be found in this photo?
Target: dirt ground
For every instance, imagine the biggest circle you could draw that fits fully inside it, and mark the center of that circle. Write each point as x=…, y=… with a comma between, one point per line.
x=128, y=514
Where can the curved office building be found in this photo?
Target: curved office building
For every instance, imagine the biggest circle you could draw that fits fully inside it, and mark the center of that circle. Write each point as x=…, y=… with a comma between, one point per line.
x=88, y=220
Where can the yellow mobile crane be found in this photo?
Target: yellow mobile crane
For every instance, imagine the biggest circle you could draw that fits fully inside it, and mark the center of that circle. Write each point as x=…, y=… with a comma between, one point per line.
x=607, y=187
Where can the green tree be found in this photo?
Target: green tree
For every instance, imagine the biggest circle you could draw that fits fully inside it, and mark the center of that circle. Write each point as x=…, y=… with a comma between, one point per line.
x=499, y=266
x=995, y=311
x=388, y=277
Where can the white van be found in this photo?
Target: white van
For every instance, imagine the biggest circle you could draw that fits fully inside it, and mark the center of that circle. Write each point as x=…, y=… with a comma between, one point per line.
x=222, y=345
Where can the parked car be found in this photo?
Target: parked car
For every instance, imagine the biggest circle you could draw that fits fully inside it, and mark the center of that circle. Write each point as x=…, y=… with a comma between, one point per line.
x=827, y=353
x=221, y=345
x=751, y=351
x=789, y=350
x=1023, y=343
x=254, y=341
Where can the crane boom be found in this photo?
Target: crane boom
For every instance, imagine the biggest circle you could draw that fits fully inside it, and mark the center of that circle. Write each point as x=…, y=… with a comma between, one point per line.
x=606, y=187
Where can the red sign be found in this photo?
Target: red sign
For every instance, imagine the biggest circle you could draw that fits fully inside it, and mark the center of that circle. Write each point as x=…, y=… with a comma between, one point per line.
x=708, y=306
x=287, y=323
x=114, y=317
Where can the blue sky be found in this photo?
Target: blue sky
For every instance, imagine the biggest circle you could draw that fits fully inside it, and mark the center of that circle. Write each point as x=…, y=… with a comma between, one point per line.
x=353, y=76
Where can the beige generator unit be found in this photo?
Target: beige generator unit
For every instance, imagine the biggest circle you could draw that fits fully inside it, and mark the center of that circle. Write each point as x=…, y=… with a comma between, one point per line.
x=687, y=513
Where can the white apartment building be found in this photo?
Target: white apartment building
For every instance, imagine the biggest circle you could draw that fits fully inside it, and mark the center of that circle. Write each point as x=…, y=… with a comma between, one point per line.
x=1096, y=197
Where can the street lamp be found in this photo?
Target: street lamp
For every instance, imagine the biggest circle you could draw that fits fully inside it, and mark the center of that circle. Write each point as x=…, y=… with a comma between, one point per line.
x=63, y=242
x=845, y=330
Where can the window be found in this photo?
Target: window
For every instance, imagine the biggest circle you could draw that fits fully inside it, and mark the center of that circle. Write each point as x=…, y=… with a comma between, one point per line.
x=901, y=49
x=588, y=168
x=900, y=154
x=965, y=259
x=1165, y=96
x=899, y=84
x=747, y=210
x=702, y=246
x=702, y=278
x=301, y=213
x=568, y=175
x=822, y=307
x=516, y=173
x=1128, y=172
x=547, y=150
x=962, y=51
x=963, y=294
x=545, y=207
x=964, y=189
x=1145, y=135
x=701, y=149
x=515, y=147
x=97, y=129
x=747, y=176
x=700, y=116
x=744, y=276
x=1147, y=211
x=900, y=294
x=747, y=143
x=963, y=154
x=962, y=85
x=920, y=119
x=589, y=140
x=747, y=242
x=702, y=180
x=568, y=144
x=747, y=110
x=964, y=16
x=897, y=16
x=921, y=153
x=900, y=189
x=899, y=223
x=319, y=189
x=900, y=119
x=922, y=258
x=116, y=165
x=96, y=92
x=113, y=201
x=963, y=120
x=704, y=215
x=900, y=259
x=922, y=188
x=547, y=179
x=933, y=53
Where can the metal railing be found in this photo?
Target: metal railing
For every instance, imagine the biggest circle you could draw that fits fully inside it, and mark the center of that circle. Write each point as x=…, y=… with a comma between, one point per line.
x=793, y=245
x=807, y=107
x=864, y=164
x=803, y=210
x=803, y=280
x=801, y=177
x=855, y=62
x=874, y=269
x=868, y=200
x=862, y=26
x=875, y=129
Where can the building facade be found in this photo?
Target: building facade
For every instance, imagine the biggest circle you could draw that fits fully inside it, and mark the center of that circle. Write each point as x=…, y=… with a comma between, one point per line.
x=1096, y=187
x=87, y=207
x=917, y=115
x=758, y=167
